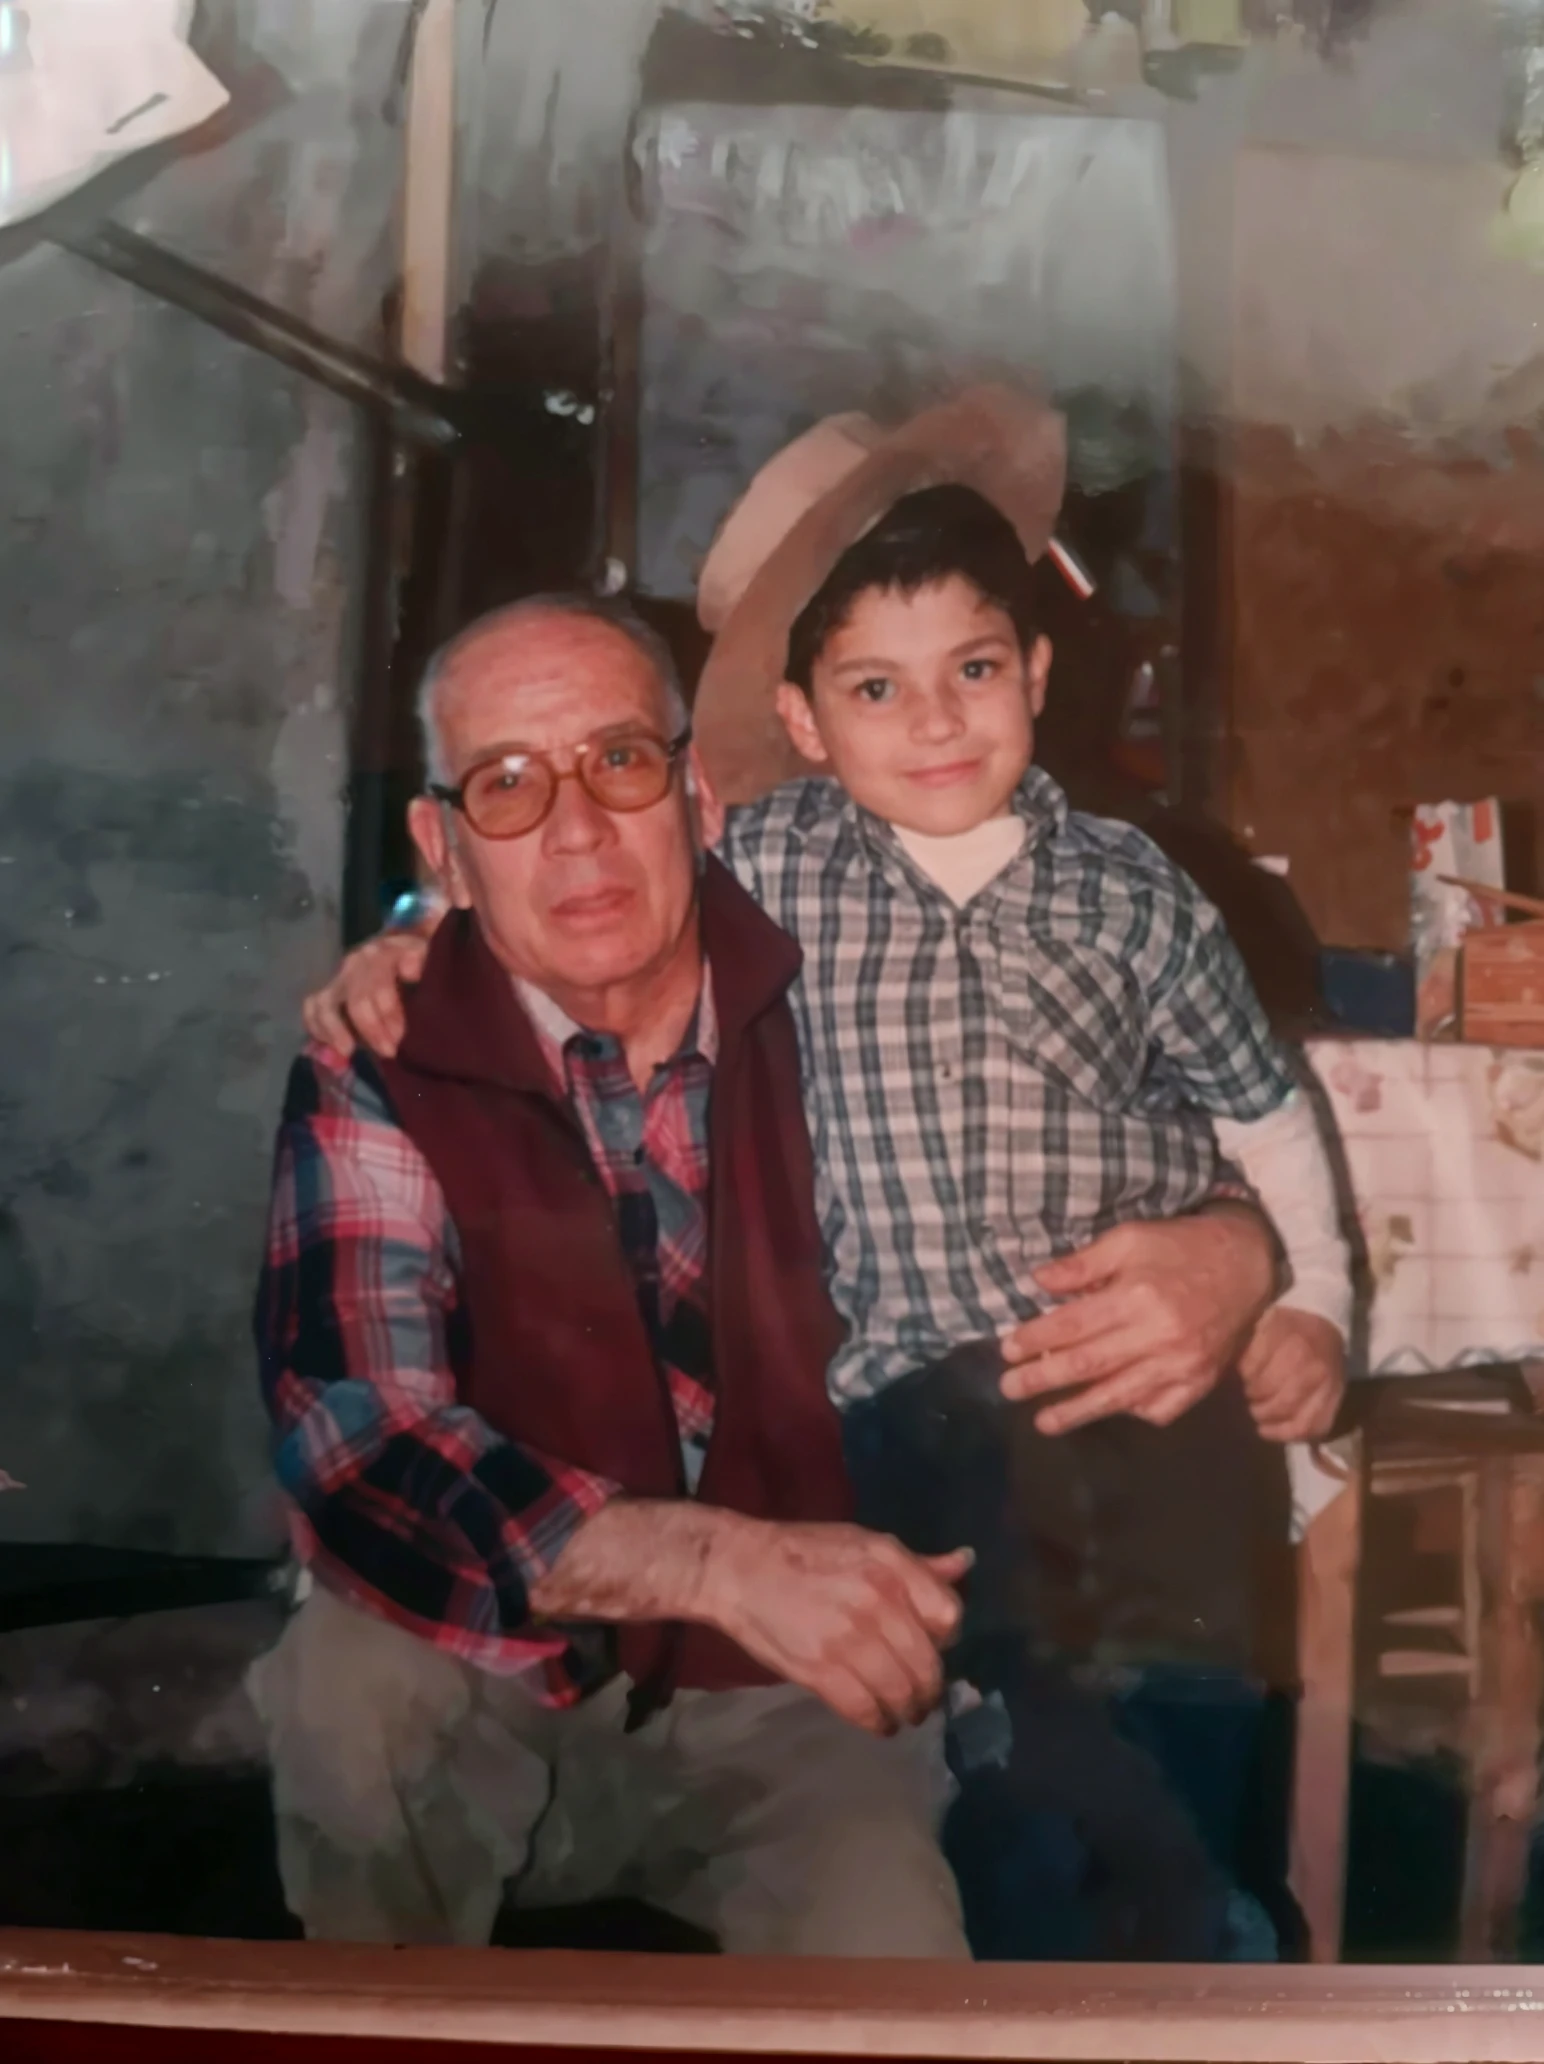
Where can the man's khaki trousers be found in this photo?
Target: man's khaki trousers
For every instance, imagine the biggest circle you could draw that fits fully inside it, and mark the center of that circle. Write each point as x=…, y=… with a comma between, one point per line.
x=411, y=1790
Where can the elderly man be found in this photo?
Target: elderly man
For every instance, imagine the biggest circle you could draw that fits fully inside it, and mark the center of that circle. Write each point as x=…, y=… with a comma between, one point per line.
x=544, y=1337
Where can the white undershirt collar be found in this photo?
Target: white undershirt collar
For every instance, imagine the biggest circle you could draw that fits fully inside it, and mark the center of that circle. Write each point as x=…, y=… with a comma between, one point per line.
x=962, y=863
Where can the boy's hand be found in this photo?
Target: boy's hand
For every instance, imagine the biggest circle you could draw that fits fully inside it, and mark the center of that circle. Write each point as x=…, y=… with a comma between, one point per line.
x=364, y=998
x=1294, y=1372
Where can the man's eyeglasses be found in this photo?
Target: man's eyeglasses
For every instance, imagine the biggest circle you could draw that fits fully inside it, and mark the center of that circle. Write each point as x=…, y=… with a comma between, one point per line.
x=511, y=793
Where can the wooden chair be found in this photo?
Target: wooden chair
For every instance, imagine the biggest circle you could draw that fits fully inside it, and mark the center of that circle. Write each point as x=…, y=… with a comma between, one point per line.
x=1473, y=1438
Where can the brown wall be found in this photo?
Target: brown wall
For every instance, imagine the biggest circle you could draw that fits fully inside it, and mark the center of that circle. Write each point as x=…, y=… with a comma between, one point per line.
x=1383, y=538
x=1388, y=648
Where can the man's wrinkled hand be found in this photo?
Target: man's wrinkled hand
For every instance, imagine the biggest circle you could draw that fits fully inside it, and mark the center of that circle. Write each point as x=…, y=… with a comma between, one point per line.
x=1156, y=1314
x=363, y=1001
x=1294, y=1371
x=849, y=1615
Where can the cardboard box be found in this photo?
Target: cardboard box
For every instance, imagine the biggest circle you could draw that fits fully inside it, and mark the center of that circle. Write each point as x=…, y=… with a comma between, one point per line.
x=1501, y=986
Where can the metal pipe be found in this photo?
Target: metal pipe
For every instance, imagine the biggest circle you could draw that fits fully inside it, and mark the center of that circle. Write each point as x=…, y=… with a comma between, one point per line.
x=416, y=406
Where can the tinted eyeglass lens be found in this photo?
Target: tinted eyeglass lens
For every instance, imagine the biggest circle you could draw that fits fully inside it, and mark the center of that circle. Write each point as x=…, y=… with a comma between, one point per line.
x=508, y=796
x=627, y=773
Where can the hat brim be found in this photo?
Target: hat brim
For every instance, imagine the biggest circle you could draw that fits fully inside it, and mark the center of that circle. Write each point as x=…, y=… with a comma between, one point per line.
x=1009, y=447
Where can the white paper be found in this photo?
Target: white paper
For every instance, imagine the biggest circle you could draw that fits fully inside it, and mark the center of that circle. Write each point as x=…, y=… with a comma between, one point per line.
x=86, y=82
x=1461, y=840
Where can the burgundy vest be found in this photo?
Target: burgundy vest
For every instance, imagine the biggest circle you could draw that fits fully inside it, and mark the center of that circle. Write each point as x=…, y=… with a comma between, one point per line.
x=556, y=1354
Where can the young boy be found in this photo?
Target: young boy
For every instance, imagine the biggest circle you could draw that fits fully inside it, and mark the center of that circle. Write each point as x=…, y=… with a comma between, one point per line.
x=1021, y=1027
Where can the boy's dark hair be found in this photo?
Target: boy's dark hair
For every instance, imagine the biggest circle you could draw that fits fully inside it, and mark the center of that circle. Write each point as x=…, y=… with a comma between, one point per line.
x=927, y=536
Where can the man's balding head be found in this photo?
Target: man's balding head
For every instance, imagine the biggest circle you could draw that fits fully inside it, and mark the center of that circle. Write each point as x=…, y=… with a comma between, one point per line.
x=515, y=620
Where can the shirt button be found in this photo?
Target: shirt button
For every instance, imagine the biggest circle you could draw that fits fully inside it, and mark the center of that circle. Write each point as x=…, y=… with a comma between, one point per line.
x=639, y=1157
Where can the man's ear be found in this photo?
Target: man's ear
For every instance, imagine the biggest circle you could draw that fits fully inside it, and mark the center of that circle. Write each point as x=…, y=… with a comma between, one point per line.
x=427, y=821
x=1037, y=674
x=702, y=799
x=793, y=706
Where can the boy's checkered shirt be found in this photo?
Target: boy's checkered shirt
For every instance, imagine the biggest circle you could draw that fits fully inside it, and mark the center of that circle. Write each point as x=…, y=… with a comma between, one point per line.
x=991, y=1086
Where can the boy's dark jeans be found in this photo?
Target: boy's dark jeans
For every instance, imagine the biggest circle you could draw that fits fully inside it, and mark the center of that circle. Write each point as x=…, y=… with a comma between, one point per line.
x=1109, y=1628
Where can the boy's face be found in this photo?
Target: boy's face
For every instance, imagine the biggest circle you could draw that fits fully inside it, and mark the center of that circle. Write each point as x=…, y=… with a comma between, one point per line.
x=923, y=706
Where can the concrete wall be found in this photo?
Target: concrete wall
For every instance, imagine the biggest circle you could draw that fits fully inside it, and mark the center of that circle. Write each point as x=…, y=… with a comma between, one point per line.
x=1428, y=83
x=182, y=541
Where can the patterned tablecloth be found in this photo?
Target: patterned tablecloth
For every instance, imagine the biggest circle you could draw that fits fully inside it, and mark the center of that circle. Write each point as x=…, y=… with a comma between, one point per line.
x=1443, y=1150
x=1441, y=1156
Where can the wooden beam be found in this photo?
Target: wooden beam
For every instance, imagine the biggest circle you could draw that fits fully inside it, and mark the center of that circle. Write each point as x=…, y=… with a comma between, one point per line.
x=1224, y=2014
x=429, y=192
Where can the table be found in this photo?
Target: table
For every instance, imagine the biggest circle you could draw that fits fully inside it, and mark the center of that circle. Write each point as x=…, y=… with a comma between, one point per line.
x=1441, y=1153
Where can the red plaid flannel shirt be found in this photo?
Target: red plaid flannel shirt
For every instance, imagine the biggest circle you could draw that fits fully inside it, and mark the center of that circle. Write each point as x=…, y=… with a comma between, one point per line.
x=402, y=1498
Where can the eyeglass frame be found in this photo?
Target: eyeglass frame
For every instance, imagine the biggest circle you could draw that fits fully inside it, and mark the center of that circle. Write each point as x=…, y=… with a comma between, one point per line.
x=455, y=795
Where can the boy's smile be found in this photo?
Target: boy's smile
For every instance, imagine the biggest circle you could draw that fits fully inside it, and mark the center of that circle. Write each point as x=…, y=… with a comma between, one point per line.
x=946, y=776
x=922, y=705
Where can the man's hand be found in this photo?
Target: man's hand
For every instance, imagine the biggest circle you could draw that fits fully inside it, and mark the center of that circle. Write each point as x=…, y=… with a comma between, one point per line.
x=1157, y=1313
x=364, y=998
x=1294, y=1372
x=851, y=1616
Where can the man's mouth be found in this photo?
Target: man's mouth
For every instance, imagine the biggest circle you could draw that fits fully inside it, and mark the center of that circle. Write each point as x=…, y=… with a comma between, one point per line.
x=599, y=905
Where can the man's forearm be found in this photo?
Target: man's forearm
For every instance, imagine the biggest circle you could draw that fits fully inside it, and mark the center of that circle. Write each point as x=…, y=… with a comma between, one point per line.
x=640, y=1559
x=1260, y=1256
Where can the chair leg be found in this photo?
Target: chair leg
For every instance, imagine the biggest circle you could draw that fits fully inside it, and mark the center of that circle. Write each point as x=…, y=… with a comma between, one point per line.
x=1505, y=1716
x=1321, y=1785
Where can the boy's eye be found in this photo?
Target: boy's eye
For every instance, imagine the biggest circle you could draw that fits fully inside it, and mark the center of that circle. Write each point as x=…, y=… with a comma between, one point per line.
x=878, y=688
x=979, y=669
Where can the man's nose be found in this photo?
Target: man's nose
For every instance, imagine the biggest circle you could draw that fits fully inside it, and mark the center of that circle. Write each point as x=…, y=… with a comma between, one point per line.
x=576, y=823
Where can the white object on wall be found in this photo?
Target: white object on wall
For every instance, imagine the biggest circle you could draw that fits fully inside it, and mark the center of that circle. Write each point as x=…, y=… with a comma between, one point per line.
x=1448, y=839
x=86, y=82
